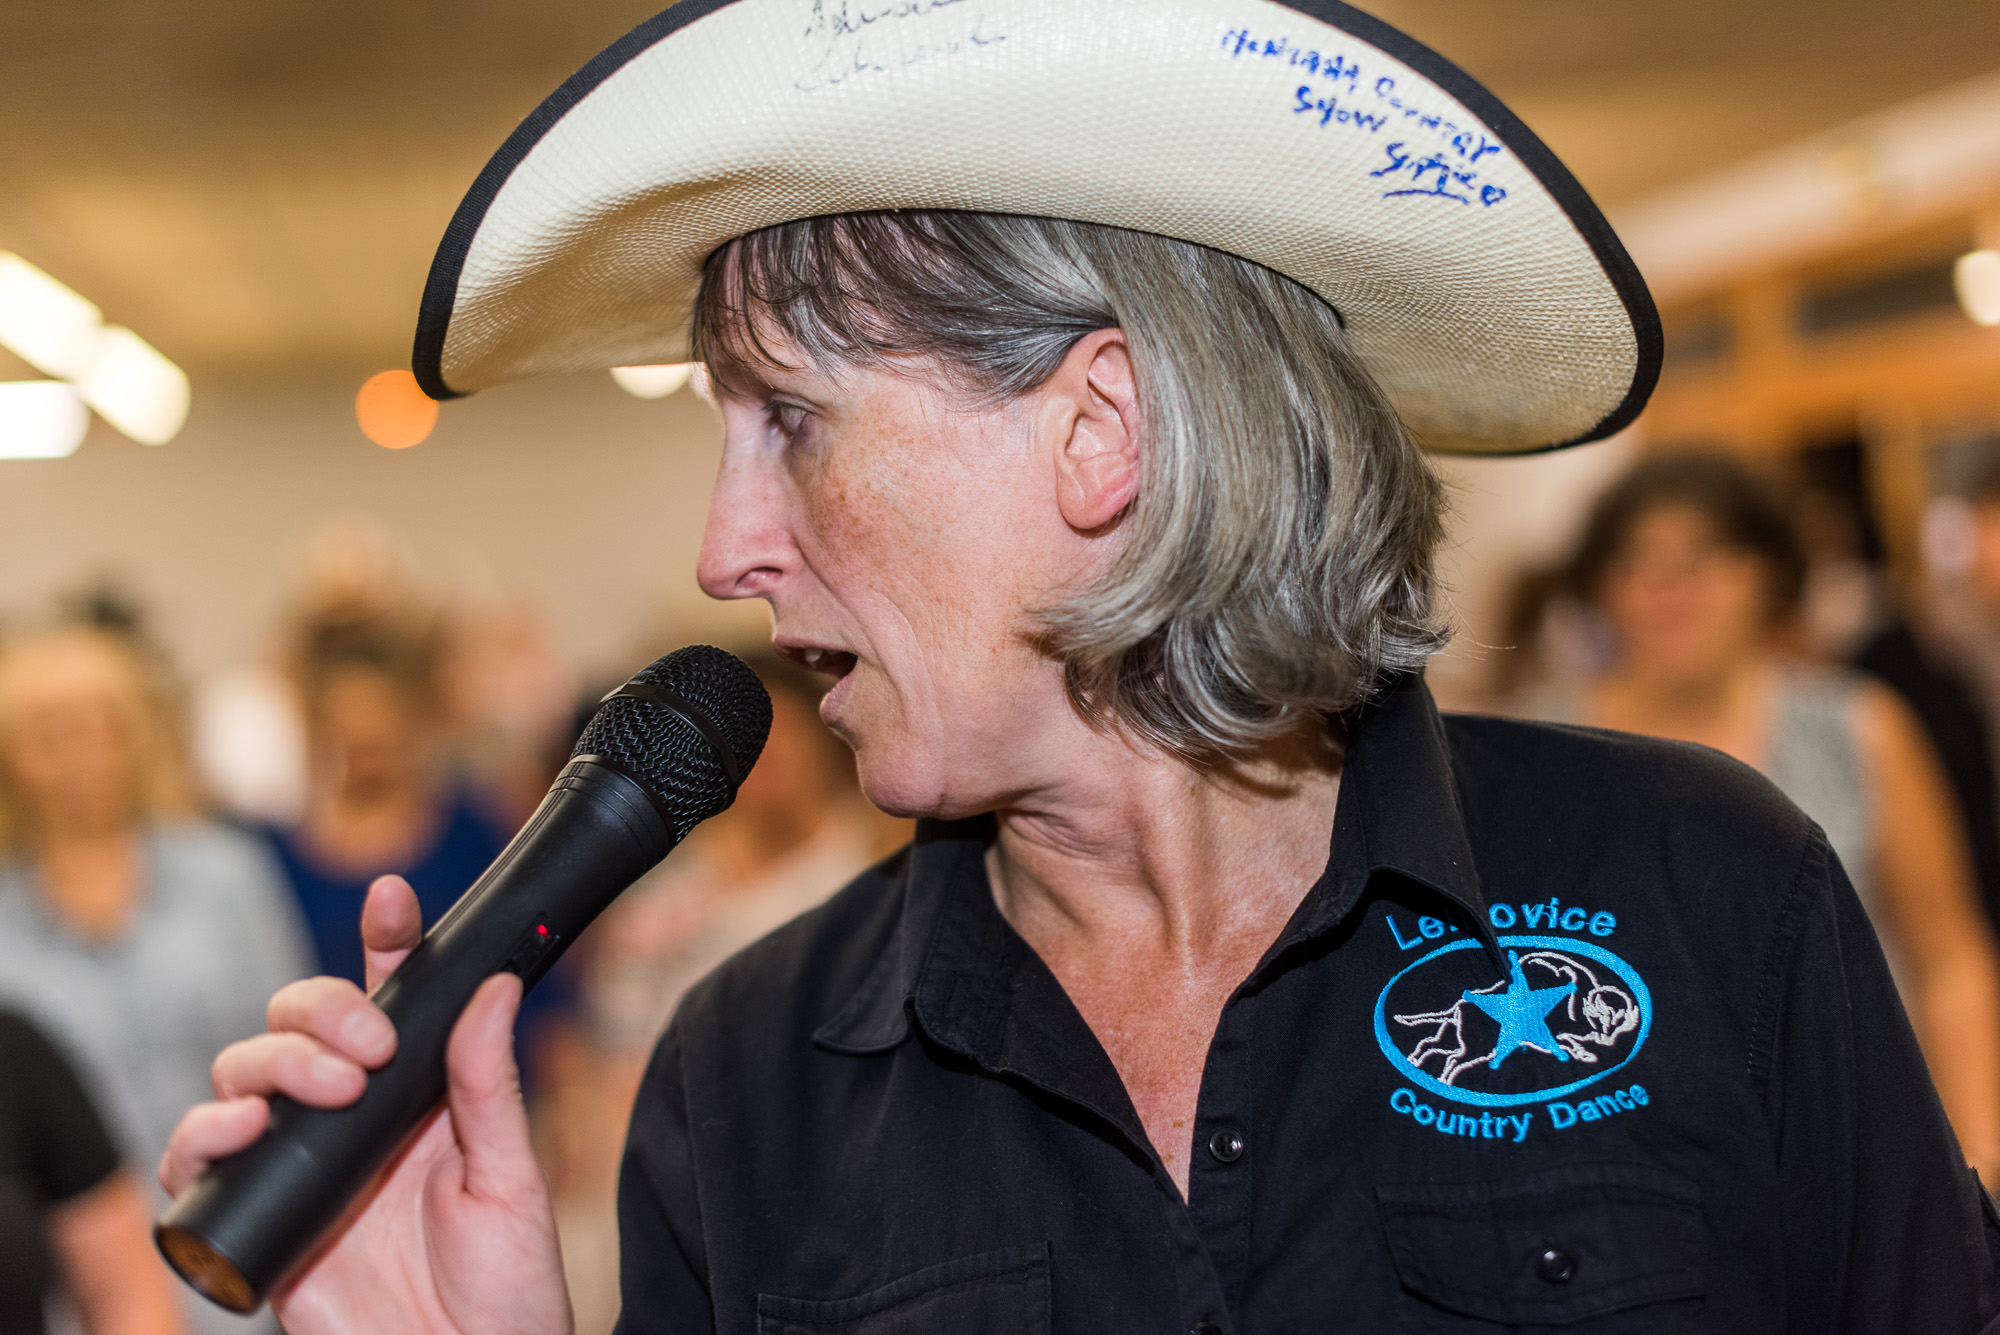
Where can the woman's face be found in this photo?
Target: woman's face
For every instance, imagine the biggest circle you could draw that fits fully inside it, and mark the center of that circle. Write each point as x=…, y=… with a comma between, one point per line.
x=69, y=746
x=1686, y=605
x=369, y=735
x=903, y=540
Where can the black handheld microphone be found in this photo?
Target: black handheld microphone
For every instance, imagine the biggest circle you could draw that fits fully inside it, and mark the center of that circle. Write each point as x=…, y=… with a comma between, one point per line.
x=663, y=753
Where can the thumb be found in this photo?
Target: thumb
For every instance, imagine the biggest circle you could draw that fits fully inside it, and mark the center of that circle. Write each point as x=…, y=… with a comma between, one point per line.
x=484, y=1090
x=392, y=923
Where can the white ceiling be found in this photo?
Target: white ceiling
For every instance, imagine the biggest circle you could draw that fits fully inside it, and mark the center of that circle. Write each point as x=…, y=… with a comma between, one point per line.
x=257, y=185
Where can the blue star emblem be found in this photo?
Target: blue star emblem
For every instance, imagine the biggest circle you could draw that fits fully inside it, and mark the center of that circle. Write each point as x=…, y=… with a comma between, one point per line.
x=1523, y=1014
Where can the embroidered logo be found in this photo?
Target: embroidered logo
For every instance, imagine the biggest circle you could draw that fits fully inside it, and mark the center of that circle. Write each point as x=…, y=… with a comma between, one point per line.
x=1568, y=1014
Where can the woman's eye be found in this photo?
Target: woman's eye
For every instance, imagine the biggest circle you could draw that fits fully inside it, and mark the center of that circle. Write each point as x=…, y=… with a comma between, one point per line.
x=791, y=419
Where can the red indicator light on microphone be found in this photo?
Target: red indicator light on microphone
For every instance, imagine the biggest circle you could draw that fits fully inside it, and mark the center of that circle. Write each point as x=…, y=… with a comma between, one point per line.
x=542, y=930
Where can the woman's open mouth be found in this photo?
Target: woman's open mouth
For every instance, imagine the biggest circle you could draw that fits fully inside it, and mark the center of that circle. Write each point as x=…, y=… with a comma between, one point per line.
x=835, y=663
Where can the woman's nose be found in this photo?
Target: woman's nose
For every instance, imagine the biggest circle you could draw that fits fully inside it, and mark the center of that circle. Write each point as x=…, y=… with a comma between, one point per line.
x=746, y=549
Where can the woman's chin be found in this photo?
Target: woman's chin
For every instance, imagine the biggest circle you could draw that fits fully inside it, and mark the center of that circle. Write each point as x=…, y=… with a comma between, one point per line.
x=887, y=785
x=907, y=786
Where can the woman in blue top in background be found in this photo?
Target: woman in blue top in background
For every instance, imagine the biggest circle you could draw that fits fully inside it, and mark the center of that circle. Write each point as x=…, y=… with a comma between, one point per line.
x=381, y=795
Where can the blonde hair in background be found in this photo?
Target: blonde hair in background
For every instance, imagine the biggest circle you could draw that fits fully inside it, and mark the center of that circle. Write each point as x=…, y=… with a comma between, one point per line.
x=68, y=661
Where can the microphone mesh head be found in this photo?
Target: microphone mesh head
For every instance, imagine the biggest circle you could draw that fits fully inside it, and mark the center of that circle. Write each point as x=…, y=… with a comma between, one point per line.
x=669, y=756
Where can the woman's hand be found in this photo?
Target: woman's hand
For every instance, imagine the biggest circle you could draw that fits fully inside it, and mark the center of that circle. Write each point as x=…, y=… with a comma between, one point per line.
x=456, y=1237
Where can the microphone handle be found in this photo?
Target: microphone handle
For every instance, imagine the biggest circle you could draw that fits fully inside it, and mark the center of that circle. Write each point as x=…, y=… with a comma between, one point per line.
x=249, y=1219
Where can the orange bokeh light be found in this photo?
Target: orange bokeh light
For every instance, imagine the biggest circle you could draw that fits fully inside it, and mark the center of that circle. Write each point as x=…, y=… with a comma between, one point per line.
x=393, y=411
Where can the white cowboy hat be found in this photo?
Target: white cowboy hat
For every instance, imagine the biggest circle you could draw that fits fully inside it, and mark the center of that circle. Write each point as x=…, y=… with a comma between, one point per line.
x=1475, y=278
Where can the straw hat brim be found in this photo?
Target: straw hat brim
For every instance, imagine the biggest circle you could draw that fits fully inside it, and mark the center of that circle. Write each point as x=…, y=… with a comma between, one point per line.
x=1476, y=279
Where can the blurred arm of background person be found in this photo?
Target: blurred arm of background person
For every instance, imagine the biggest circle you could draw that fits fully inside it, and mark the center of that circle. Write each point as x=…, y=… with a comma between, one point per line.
x=103, y=1245
x=1933, y=916
x=71, y=1218
x=1695, y=566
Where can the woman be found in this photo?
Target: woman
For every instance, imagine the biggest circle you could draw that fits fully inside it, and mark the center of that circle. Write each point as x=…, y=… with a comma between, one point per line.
x=137, y=936
x=71, y=1221
x=1225, y=985
x=1696, y=569
x=379, y=795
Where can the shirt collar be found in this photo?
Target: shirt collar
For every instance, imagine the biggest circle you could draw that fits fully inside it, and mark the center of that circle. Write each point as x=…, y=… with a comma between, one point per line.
x=1399, y=813
x=953, y=955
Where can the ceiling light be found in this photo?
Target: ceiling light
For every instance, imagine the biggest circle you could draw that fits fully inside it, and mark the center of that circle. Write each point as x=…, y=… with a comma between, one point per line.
x=652, y=382
x=44, y=323
x=394, y=411
x=134, y=388
x=40, y=419
x=1977, y=276
x=114, y=370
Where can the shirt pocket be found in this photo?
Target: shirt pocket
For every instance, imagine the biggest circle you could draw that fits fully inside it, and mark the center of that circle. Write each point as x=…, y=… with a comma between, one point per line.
x=1617, y=1246
x=994, y=1293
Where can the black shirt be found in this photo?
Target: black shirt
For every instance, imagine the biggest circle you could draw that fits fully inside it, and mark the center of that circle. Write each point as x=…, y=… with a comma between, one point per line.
x=1577, y=1031
x=52, y=1147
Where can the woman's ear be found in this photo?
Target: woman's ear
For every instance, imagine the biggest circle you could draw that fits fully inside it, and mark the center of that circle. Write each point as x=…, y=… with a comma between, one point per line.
x=1095, y=398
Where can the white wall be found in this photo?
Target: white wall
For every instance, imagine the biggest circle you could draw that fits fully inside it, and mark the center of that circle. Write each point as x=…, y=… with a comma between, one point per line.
x=569, y=491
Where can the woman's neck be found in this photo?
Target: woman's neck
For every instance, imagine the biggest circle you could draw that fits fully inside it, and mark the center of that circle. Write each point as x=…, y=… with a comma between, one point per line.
x=371, y=832
x=93, y=879
x=1728, y=710
x=1151, y=890
x=1142, y=849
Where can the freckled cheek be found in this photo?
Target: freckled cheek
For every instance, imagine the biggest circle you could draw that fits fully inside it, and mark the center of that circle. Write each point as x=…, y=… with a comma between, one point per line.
x=874, y=528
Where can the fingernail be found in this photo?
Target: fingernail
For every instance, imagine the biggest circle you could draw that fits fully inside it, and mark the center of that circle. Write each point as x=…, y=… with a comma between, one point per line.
x=326, y=1070
x=365, y=1033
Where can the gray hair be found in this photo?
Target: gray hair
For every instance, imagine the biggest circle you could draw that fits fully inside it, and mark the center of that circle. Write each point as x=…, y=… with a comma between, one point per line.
x=1280, y=559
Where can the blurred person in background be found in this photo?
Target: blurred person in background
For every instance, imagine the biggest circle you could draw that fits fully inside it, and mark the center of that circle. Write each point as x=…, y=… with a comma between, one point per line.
x=382, y=795
x=74, y=1223
x=798, y=830
x=1962, y=556
x=249, y=733
x=1696, y=569
x=1854, y=610
x=514, y=702
x=1978, y=572
x=138, y=936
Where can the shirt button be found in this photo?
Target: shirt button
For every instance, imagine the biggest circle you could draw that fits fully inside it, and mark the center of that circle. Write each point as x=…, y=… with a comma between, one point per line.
x=1226, y=1145
x=1555, y=1265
